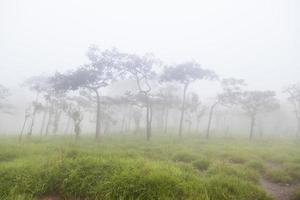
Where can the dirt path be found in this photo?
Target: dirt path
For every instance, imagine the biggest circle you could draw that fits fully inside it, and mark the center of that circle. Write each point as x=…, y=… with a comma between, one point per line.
x=279, y=192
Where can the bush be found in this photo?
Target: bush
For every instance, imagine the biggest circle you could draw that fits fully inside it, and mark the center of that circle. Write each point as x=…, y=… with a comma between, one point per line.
x=237, y=171
x=184, y=157
x=278, y=176
x=231, y=188
x=7, y=156
x=201, y=165
x=236, y=159
x=294, y=172
x=256, y=165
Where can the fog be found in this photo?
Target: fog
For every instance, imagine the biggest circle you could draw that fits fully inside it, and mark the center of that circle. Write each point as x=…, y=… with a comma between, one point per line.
x=257, y=41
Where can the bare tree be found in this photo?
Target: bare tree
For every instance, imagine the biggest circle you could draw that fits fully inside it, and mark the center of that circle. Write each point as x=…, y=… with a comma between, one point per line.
x=294, y=98
x=73, y=106
x=185, y=74
x=100, y=72
x=36, y=107
x=255, y=102
x=37, y=84
x=169, y=99
x=141, y=70
x=231, y=91
x=196, y=108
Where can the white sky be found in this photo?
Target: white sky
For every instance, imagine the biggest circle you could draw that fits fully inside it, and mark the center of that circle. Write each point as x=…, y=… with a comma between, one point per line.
x=257, y=40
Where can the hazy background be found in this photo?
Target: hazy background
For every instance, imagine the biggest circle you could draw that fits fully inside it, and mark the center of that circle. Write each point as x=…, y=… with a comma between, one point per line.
x=257, y=40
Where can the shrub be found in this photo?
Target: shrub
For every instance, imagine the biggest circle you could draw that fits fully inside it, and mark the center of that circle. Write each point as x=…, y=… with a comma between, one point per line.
x=156, y=181
x=294, y=172
x=232, y=188
x=236, y=159
x=184, y=157
x=256, y=165
x=237, y=171
x=201, y=165
x=278, y=176
x=7, y=156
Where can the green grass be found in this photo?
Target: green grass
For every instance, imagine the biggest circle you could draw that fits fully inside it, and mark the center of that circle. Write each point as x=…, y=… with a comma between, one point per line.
x=128, y=167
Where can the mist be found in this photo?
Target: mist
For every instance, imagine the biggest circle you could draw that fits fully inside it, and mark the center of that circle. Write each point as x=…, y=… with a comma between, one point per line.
x=153, y=74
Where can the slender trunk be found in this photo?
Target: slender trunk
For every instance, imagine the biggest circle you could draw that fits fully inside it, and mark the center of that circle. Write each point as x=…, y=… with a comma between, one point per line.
x=137, y=126
x=67, y=126
x=32, y=124
x=182, y=109
x=77, y=129
x=261, y=132
x=162, y=119
x=56, y=122
x=123, y=123
x=226, y=131
x=128, y=127
x=43, y=123
x=211, y=112
x=252, y=126
x=198, y=125
x=33, y=116
x=166, y=121
x=298, y=129
x=148, y=118
x=98, y=119
x=49, y=119
x=22, y=130
x=189, y=130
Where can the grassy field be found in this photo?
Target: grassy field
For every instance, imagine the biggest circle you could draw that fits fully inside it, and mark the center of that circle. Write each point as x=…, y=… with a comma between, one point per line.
x=127, y=167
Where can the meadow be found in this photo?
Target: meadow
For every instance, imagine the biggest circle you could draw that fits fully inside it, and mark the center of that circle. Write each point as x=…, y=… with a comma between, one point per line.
x=167, y=167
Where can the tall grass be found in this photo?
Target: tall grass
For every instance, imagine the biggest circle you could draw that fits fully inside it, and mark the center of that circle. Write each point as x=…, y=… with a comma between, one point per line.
x=131, y=168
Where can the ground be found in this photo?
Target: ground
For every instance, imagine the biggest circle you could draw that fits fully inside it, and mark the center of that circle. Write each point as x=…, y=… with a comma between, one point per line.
x=167, y=167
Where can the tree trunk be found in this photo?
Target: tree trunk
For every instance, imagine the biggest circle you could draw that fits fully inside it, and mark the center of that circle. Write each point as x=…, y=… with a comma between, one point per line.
x=43, y=123
x=98, y=119
x=166, y=120
x=182, y=109
x=21, y=133
x=252, y=126
x=49, y=119
x=67, y=126
x=198, y=125
x=137, y=126
x=33, y=117
x=148, y=118
x=298, y=129
x=77, y=129
x=123, y=123
x=32, y=124
x=56, y=122
x=211, y=112
x=190, y=125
